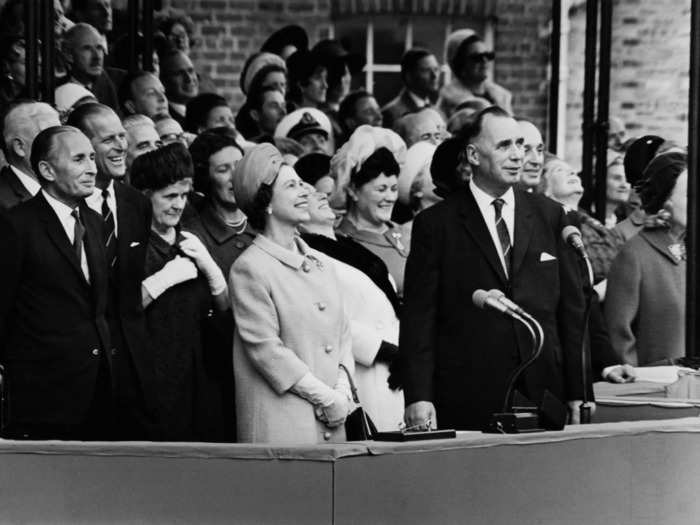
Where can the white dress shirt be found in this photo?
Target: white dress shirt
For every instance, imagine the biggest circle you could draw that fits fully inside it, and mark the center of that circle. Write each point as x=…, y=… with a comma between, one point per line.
x=63, y=212
x=30, y=184
x=488, y=211
x=420, y=102
x=95, y=203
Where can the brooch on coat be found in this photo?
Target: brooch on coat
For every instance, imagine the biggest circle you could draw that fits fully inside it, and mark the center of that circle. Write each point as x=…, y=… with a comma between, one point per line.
x=306, y=265
x=678, y=251
x=397, y=239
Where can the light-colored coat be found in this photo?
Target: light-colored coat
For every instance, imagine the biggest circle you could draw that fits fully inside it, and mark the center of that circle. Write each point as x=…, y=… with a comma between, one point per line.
x=454, y=93
x=645, y=300
x=290, y=320
x=372, y=320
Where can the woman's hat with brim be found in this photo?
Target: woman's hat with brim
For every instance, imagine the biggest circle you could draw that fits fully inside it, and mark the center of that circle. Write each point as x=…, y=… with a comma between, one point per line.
x=312, y=167
x=260, y=165
x=418, y=158
x=257, y=63
x=292, y=35
x=332, y=53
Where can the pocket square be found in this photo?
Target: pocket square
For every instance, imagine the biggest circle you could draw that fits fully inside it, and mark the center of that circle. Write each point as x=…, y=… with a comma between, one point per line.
x=135, y=243
x=544, y=257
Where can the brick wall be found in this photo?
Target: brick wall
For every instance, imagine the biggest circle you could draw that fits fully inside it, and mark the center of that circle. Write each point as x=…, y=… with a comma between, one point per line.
x=649, y=74
x=522, y=47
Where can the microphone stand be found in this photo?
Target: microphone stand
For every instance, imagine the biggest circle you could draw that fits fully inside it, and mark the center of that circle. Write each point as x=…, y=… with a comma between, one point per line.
x=584, y=408
x=508, y=421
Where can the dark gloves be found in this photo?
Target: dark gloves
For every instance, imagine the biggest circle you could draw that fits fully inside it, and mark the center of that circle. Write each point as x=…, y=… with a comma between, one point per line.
x=387, y=353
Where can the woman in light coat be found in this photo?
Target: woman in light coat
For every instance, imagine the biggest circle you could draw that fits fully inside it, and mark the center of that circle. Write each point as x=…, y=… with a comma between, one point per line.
x=371, y=304
x=292, y=332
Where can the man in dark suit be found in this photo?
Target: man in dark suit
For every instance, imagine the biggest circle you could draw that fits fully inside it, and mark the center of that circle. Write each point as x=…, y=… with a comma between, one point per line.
x=126, y=215
x=420, y=73
x=457, y=358
x=54, y=337
x=21, y=123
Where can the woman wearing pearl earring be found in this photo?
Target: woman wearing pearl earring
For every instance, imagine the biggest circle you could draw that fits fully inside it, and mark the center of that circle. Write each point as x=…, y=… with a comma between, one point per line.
x=645, y=303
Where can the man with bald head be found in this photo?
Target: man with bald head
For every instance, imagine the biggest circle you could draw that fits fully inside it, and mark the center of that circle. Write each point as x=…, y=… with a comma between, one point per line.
x=533, y=161
x=126, y=216
x=457, y=358
x=21, y=123
x=54, y=338
x=84, y=50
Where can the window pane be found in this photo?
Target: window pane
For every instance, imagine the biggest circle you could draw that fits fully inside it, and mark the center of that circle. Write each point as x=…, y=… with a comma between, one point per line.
x=386, y=86
x=389, y=39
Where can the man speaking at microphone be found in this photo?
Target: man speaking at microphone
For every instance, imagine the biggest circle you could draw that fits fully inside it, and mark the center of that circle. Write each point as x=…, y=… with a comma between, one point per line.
x=456, y=357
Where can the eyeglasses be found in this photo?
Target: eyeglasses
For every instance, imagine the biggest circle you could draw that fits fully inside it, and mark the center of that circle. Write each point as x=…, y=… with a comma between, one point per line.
x=486, y=56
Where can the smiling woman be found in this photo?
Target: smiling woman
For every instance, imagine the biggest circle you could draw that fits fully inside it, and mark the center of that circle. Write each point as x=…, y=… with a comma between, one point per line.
x=292, y=332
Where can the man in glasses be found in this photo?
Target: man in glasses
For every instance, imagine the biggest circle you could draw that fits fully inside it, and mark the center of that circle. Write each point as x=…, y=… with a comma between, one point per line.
x=469, y=59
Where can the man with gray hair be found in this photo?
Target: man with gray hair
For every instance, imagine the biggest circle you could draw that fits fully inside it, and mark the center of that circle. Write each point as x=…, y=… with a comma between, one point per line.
x=20, y=125
x=84, y=50
x=141, y=137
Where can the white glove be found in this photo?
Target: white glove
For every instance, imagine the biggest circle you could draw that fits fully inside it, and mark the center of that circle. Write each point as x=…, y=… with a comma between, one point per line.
x=331, y=404
x=176, y=271
x=193, y=247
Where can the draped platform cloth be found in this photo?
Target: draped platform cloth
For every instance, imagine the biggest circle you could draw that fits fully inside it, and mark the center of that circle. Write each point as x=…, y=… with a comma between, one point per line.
x=625, y=473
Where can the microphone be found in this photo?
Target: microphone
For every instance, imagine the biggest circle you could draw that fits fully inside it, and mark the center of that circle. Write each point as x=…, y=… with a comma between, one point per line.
x=501, y=298
x=572, y=237
x=483, y=299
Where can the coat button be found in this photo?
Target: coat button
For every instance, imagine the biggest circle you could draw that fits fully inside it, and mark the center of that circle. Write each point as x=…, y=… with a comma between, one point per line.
x=239, y=245
x=328, y=349
x=326, y=435
x=321, y=306
x=114, y=351
x=95, y=351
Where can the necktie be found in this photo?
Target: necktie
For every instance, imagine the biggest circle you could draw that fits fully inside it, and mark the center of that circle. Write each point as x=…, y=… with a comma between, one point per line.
x=110, y=238
x=78, y=233
x=502, y=231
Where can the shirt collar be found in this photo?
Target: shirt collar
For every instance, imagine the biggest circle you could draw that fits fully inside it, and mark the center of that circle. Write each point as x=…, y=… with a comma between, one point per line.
x=96, y=195
x=484, y=200
x=420, y=102
x=295, y=259
x=31, y=185
x=62, y=210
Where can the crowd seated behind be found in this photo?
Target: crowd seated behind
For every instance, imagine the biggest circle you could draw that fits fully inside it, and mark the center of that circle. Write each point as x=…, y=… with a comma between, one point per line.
x=225, y=275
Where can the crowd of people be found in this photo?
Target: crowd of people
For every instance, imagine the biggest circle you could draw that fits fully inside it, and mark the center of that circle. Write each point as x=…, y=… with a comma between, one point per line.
x=174, y=270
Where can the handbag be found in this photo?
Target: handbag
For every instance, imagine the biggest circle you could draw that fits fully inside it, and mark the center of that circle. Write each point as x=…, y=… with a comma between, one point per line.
x=358, y=425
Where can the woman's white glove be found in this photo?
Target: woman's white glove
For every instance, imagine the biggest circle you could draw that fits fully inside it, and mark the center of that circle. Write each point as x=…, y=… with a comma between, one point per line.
x=175, y=271
x=331, y=405
x=193, y=247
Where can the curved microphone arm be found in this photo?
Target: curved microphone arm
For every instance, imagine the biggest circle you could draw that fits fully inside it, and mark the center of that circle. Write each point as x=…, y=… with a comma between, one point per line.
x=537, y=335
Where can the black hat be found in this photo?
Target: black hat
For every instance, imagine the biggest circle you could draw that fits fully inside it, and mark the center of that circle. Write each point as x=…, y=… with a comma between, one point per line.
x=307, y=124
x=312, y=167
x=292, y=35
x=660, y=178
x=332, y=52
x=638, y=156
x=301, y=65
x=444, y=166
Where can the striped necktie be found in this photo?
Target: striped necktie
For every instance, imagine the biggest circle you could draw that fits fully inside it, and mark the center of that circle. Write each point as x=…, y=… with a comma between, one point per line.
x=503, y=236
x=78, y=233
x=110, y=237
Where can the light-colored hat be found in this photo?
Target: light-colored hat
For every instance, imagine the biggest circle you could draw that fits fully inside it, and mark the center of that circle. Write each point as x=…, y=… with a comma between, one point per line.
x=66, y=96
x=364, y=141
x=454, y=40
x=260, y=165
x=418, y=159
x=301, y=121
x=255, y=64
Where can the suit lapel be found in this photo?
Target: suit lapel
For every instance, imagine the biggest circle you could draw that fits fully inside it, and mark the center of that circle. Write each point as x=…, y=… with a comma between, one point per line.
x=523, y=229
x=15, y=184
x=94, y=251
x=476, y=226
x=58, y=236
